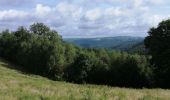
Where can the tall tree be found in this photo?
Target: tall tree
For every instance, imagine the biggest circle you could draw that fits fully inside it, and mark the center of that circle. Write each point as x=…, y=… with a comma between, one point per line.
x=158, y=45
x=39, y=28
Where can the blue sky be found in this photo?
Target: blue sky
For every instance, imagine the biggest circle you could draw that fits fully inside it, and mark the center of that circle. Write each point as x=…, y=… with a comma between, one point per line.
x=86, y=18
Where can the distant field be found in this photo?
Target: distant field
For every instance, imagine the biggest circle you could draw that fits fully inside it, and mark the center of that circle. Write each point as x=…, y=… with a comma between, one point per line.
x=15, y=85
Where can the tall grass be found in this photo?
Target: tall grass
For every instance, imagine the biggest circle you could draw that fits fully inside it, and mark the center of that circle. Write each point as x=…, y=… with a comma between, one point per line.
x=15, y=85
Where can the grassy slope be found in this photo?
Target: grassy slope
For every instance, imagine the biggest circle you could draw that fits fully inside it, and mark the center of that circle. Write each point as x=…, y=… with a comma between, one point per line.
x=15, y=85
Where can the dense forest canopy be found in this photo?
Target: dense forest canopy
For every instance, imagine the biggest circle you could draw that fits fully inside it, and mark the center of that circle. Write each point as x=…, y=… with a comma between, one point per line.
x=158, y=44
x=40, y=50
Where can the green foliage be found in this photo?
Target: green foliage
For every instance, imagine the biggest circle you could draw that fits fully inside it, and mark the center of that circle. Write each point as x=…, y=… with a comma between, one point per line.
x=78, y=72
x=138, y=48
x=39, y=29
x=39, y=50
x=131, y=71
x=42, y=51
x=158, y=46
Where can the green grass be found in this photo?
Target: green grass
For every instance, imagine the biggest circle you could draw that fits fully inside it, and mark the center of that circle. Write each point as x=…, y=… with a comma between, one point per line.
x=15, y=85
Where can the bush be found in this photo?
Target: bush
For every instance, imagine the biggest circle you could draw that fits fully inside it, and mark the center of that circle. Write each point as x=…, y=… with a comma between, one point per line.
x=131, y=71
x=78, y=72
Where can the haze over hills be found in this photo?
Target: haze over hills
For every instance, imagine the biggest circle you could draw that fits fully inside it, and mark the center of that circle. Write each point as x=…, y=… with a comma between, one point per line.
x=123, y=43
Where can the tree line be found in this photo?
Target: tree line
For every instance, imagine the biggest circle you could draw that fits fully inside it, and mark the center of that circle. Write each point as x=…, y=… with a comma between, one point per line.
x=40, y=50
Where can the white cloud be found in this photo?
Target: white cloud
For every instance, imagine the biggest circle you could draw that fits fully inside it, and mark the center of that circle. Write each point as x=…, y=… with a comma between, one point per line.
x=42, y=10
x=114, y=11
x=11, y=14
x=153, y=20
x=102, y=17
x=157, y=1
x=93, y=14
x=137, y=3
x=68, y=9
x=16, y=3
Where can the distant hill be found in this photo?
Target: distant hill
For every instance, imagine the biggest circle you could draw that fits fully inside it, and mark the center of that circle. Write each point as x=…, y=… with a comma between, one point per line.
x=123, y=43
x=138, y=48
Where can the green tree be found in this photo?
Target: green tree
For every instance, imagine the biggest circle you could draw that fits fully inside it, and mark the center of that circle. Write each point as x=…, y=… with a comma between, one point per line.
x=7, y=45
x=158, y=45
x=40, y=50
x=80, y=69
x=39, y=28
x=130, y=71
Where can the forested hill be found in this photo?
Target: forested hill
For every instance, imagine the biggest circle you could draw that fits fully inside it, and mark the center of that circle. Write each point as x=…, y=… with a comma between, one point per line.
x=138, y=48
x=123, y=43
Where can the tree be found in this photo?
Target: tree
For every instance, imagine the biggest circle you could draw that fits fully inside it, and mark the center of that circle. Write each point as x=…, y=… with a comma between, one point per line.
x=22, y=45
x=80, y=69
x=70, y=53
x=158, y=44
x=39, y=28
x=130, y=71
x=42, y=51
x=7, y=45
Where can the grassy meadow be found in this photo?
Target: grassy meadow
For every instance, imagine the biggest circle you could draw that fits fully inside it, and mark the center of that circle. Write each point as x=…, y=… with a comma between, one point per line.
x=15, y=85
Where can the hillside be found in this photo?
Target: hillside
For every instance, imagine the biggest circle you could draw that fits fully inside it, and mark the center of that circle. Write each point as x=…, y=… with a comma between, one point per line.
x=138, y=48
x=123, y=43
x=15, y=85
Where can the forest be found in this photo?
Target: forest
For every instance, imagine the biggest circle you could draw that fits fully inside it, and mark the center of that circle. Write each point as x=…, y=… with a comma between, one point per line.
x=42, y=51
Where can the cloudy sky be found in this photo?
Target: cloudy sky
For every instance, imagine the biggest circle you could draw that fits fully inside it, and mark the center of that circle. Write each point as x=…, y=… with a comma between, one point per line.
x=86, y=18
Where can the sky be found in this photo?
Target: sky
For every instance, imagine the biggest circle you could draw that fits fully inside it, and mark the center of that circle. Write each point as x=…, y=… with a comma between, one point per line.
x=86, y=18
